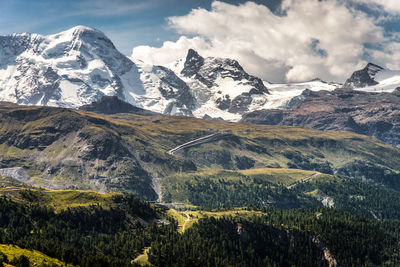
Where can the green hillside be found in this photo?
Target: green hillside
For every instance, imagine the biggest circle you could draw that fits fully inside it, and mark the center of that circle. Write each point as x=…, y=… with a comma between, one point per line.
x=60, y=199
x=280, y=188
x=131, y=233
x=13, y=254
x=67, y=149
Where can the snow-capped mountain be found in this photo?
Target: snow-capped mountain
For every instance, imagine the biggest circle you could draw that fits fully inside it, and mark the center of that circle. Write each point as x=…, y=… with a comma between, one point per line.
x=220, y=86
x=163, y=91
x=67, y=69
x=374, y=78
x=81, y=65
x=284, y=96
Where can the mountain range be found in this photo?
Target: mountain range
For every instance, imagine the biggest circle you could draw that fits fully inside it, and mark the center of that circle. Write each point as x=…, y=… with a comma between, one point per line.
x=81, y=65
x=94, y=170
x=78, y=66
x=81, y=69
x=373, y=114
x=63, y=148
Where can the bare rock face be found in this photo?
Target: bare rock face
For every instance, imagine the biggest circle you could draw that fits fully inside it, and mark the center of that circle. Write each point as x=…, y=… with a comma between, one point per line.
x=114, y=105
x=364, y=77
x=372, y=114
x=207, y=70
x=211, y=76
x=173, y=88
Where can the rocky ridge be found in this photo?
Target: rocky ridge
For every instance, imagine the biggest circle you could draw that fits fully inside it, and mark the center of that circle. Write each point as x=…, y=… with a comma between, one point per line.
x=113, y=105
x=372, y=114
x=363, y=77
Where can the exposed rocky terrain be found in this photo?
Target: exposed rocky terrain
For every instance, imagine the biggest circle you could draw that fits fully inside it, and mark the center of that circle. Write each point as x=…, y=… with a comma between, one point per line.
x=364, y=77
x=114, y=105
x=373, y=114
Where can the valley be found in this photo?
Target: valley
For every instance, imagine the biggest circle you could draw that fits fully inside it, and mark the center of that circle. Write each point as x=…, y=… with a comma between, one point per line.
x=213, y=177
x=110, y=160
x=147, y=230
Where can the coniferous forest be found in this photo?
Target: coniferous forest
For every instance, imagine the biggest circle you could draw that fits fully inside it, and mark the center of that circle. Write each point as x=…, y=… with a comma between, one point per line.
x=115, y=236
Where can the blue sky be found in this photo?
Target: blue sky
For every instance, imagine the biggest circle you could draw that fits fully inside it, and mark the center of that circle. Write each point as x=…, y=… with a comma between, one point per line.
x=278, y=40
x=127, y=22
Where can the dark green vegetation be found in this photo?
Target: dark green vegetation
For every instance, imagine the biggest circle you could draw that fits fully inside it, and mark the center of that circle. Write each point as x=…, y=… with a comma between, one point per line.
x=84, y=236
x=61, y=148
x=281, y=238
x=282, y=188
x=95, y=236
x=368, y=200
x=225, y=189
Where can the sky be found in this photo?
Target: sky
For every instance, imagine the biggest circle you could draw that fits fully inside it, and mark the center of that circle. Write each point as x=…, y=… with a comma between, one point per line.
x=277, y=40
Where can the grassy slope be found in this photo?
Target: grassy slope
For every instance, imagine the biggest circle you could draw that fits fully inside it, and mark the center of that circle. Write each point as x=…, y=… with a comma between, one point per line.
x=143, y=259
x=179, y=187
x=195, y=215
x=59, y=199
x=342, y=153
x=35, y=257
x=62, y=149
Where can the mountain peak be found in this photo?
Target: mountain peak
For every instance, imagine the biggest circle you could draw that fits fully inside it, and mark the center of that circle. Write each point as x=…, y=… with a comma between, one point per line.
x=81, y=29
x=79, y=32
x=372, y=69
x=373, y=66
x=317, y=79
x=363, y=77
x=193, y=63
x=72, y=68
x=193, y=54
x=193, y=57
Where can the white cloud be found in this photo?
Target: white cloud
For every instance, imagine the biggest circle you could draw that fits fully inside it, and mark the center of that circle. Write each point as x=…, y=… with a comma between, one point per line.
x=389, y=56
x=313, y=38
x=170, y=51
x=391, y=6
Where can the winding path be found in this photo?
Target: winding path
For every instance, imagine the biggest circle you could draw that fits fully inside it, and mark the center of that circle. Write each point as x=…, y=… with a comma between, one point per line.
x=197, y=141
x=304, y=180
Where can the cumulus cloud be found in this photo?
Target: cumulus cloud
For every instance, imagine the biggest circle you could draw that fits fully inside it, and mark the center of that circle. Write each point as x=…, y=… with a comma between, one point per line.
x=170, y=51
x=310, y=38
x=390, y=6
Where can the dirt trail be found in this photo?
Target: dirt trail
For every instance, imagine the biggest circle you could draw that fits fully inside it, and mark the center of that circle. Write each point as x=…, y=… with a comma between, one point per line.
x=187, y=220
x=304, y=180
x=197, y=141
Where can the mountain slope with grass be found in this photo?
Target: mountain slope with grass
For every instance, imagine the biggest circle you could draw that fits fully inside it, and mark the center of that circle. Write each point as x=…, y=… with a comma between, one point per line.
x=68, y=149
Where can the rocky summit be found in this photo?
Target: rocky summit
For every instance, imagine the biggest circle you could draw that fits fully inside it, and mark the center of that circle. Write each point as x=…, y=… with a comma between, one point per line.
x=216, y=88
x=364, y=77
